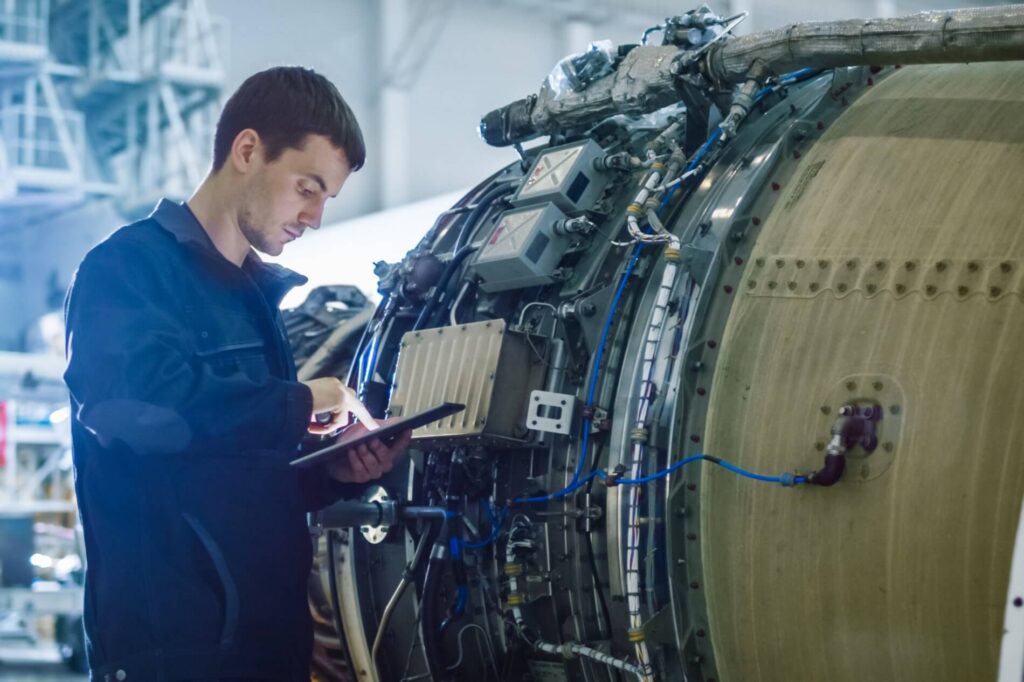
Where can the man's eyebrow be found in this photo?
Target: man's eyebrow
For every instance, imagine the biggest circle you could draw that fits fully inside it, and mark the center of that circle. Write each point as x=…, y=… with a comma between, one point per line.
x=320, y=181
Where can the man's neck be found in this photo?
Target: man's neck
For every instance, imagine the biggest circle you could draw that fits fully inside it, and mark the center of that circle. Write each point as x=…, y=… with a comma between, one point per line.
x=218, y=216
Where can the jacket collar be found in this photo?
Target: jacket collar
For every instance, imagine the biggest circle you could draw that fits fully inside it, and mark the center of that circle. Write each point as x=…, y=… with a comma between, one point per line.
x=274, y=280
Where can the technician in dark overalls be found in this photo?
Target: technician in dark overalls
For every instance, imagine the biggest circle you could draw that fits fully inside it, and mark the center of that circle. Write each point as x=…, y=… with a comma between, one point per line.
x=187, y=411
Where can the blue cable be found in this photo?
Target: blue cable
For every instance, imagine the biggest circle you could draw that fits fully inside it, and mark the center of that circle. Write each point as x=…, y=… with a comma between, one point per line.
x=496, y=524
x=576, y=483
x=785, y=479
x=462, y=596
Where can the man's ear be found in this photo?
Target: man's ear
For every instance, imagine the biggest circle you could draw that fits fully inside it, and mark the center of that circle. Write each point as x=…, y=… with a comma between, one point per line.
x=244, y=150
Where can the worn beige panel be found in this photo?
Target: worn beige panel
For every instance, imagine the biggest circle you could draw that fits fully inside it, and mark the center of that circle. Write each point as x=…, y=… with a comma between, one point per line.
x=482, y=365
x=901, y=576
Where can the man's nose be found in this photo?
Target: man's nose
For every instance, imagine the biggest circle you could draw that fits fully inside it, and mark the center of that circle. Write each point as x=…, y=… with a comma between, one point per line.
x=311, y=215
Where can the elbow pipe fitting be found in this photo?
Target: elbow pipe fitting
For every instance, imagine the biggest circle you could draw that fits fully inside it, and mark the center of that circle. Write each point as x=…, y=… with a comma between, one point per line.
x=829, y=474
x=855, y=426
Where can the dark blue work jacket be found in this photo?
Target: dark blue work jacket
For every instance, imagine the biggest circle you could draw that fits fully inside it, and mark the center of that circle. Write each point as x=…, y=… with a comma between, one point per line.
x=186, y=412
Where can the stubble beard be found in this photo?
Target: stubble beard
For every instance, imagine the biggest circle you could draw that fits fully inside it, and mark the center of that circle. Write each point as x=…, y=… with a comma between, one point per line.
x=253, y=235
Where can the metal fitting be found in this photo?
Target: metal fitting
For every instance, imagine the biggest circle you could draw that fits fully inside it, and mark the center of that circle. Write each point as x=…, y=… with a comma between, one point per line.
x=639, y=435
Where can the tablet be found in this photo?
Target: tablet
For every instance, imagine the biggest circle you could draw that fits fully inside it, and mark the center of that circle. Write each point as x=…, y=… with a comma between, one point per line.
x=384, y=433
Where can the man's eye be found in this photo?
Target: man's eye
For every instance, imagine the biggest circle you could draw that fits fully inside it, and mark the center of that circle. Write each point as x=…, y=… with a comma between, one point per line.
x=305, y=192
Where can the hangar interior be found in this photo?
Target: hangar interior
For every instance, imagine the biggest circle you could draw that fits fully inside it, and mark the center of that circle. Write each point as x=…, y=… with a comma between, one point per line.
x=727, y=298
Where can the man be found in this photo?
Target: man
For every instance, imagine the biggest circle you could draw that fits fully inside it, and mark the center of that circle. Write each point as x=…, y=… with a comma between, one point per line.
x=186, y=408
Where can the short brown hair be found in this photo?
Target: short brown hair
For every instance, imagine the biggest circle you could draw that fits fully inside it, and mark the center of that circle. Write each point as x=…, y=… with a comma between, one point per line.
x=283, y=105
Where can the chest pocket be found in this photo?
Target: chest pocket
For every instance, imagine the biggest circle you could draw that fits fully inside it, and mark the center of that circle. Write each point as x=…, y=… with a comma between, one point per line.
x=231, y=344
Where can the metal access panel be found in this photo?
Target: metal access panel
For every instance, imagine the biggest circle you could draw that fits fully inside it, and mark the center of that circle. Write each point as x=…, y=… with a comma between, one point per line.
x=483, y=366
x=564, y=176
x=523, y=250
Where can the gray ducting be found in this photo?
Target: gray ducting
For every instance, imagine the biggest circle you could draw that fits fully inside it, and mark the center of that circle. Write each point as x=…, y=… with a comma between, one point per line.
x=963, y=35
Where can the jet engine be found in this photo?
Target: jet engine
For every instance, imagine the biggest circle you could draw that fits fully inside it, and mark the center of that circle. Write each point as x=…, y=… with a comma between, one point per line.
x=738, y=346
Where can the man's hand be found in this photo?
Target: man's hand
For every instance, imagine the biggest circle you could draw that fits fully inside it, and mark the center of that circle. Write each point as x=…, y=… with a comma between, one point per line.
x=332, y=398
x=369, y=461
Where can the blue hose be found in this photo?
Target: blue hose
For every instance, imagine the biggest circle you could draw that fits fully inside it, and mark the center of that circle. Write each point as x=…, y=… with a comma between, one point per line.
x=784, y=479
x=576, y=483
x=496, y=523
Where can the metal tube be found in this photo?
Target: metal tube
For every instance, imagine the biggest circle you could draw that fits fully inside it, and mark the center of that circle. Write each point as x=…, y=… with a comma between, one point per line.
x=978, y=34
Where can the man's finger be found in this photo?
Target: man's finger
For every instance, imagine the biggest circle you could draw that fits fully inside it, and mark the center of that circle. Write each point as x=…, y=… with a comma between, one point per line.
x=355, y=463
x=384, y=454
x=370, y=461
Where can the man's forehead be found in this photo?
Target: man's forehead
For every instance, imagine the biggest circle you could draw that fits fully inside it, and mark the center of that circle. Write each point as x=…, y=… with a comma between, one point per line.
x=323, y=163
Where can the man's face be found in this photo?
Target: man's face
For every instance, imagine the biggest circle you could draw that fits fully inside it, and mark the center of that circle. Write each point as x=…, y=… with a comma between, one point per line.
x=284, y=197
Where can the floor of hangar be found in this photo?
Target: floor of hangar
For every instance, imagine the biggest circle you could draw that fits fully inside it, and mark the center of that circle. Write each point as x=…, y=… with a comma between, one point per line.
x=20, y=665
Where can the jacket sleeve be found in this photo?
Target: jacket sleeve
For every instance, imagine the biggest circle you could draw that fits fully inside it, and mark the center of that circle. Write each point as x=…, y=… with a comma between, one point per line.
x=134, y=375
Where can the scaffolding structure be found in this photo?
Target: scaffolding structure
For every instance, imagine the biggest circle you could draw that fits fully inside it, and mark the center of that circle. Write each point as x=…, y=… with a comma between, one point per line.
x=106, y=97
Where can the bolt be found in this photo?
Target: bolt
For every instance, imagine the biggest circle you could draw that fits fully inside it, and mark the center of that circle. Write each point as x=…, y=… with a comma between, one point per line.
x=877, y=385
x=825, y=409
x=941, y=266
x=972, y=267
x=887, y=446
x=851, y=385
x=994, y=291
x=841, y=288
x=851, y=264
x=779, y=263
x=819, y=446
x=900, y=288
x=909, y=266
x=680, y=562
x=1005, y=267
x=930, y=290
x=823, y=264
x=894, y=409
x=813, y=286
x=880, y=265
